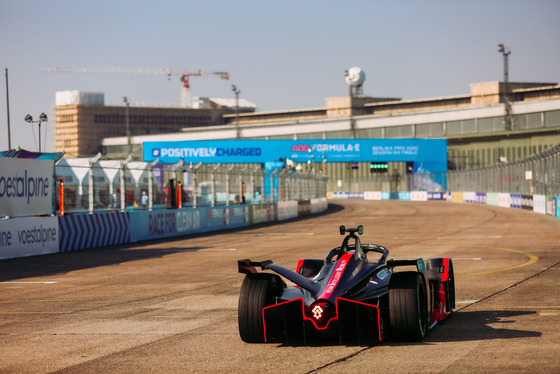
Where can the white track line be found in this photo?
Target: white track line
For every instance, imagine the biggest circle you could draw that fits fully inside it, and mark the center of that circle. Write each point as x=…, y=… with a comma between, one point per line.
x=28, y=282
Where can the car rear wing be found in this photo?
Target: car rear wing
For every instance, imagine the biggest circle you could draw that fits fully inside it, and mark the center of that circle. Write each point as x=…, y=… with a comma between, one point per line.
x=248, y=267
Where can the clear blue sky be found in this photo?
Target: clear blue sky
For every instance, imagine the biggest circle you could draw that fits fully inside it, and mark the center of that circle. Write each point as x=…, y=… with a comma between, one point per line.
x=281, y=54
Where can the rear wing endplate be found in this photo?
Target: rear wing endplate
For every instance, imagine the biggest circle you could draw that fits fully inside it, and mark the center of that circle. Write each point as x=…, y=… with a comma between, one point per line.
x=419, y=263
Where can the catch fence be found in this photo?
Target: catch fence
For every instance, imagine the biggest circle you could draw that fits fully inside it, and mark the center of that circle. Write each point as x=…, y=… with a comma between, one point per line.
x=128, y=185
x=538, y=174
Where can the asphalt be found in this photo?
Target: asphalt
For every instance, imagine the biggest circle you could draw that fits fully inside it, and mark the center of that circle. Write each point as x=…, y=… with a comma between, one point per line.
x=171, y=305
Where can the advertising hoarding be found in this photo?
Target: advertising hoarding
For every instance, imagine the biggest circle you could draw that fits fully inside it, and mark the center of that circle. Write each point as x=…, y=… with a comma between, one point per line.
x=25, y=187
x=28, y=236
x=428, y=155
x=148, y=225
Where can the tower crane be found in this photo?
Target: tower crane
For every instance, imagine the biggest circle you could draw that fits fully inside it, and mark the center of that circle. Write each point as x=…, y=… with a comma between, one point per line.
x=185, y=75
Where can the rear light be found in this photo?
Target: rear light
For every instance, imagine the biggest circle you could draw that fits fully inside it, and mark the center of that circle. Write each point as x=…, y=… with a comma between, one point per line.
x=321, y=312
x=318, y=311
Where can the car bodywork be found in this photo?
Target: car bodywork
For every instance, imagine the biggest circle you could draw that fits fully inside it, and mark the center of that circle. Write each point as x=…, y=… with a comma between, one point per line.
x=345, y=298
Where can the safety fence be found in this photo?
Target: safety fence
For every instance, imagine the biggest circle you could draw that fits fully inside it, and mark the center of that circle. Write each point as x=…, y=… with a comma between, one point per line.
x=532, y=183
x=539, y=174
x=100, y=186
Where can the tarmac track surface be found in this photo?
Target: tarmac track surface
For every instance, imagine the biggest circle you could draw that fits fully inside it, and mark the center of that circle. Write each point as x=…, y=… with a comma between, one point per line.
x=171, y=306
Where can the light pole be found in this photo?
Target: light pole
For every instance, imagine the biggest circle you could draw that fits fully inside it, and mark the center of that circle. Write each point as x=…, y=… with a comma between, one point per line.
x=8, y=111
x=236, y=91
x=507, y=103
x=127, y=123
x=42, y=118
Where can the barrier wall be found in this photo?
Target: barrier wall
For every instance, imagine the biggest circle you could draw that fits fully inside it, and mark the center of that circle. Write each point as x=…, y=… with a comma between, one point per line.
x=148, y=225
x=25, y=187
x=30, y=236
x=288, y=209
x=261, y=213
x=304, y=208
x=81, y=231
x=318, y=205
x=542, y=204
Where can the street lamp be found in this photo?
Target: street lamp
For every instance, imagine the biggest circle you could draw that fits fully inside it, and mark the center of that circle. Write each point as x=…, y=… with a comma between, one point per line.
x=236, y=91
x=42, y=118
x=127, y=122
x=507, y=103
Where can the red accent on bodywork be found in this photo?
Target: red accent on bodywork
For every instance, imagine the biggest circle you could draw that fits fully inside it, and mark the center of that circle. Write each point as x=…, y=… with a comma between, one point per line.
x=445, y=274
x=299, y=265
x=441, y=313
x=336, y=275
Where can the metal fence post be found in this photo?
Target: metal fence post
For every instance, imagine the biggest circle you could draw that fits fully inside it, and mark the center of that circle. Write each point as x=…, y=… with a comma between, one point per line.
x=213, y=184
x=242, y=185
x=91, y=179
x=123, y=182
x=195, y=183
x=272, y=173
x=262, y=184
x=151, y=183
x=228, y=170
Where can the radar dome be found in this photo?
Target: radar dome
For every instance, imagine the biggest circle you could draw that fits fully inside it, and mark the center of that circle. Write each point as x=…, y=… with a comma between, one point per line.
x=355, y=76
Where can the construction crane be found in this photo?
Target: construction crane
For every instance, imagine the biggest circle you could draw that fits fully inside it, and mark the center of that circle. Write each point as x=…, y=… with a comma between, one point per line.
x=185, y=74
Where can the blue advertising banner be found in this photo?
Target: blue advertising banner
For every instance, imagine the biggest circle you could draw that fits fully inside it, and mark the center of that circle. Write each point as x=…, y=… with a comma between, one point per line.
x=428, y=155
x=148, y=225
x=404, y=195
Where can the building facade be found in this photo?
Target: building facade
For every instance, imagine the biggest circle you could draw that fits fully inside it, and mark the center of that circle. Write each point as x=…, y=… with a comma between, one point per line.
x=82, y=120
x=472, y=124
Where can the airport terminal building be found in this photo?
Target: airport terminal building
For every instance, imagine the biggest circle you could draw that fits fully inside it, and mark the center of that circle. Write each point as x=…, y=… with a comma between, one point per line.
x=474, y=126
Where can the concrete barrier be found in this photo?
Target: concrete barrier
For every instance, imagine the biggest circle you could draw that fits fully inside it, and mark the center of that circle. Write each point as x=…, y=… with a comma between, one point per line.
x=304, y=208
x=287, y=210
x=539, y=204
x=318, y=205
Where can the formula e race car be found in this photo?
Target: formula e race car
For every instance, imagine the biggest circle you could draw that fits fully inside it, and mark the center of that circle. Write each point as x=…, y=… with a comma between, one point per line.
x=345, y=299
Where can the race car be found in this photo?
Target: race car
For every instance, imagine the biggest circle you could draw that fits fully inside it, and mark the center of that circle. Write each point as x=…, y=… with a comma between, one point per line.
x=345, y=298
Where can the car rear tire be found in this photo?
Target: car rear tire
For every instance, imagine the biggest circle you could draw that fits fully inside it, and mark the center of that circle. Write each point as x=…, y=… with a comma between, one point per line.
x=257, y=291
x=408, y=306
